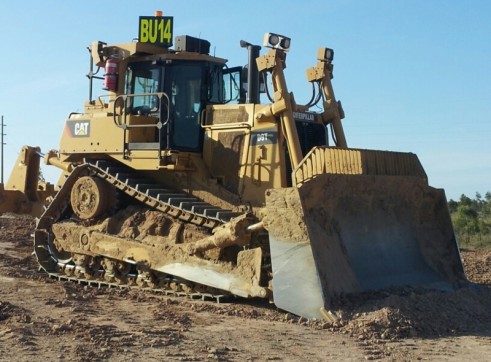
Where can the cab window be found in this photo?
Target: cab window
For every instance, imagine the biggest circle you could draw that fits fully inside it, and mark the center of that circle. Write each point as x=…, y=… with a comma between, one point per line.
x=142, y=81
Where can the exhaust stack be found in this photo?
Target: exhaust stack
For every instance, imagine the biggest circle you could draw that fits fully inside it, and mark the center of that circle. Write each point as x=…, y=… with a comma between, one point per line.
x=252, y=72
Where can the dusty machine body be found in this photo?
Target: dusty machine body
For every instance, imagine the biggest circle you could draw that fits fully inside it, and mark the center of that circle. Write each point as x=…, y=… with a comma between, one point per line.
x=181, y=179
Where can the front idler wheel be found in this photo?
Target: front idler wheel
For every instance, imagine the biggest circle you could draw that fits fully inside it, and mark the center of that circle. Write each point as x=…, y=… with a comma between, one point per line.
x=91, y=197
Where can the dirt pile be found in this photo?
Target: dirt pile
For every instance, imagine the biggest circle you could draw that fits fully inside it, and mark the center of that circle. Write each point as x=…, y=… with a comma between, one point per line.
x=477, y=264
x=381, y=317
x=415, y=313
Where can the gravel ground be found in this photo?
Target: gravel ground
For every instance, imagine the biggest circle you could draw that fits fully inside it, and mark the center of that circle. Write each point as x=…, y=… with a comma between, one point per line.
x=45, y=319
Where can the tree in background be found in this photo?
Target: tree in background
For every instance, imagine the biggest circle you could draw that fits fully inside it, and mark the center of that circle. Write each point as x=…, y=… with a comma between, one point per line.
x=472, y=219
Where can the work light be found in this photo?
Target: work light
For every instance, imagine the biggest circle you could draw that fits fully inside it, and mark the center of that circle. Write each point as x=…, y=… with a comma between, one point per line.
x=325, y=55
x=277, y=41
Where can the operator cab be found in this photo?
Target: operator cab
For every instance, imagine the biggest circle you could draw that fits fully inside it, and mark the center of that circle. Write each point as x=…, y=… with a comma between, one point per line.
x=175, y=87
x=176, y=91
x=160, y=94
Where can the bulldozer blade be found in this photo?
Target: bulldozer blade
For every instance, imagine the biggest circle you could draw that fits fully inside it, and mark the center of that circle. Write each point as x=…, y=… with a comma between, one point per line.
x=339, y=234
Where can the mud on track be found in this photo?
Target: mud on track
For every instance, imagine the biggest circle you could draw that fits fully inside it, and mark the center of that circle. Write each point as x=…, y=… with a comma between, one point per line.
x=42, y=319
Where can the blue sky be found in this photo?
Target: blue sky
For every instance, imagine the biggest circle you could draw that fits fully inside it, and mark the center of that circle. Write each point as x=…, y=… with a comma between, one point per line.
x=413, y=76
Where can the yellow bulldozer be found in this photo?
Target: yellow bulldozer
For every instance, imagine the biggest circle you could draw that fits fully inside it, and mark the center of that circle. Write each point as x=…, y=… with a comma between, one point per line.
x=180, y=179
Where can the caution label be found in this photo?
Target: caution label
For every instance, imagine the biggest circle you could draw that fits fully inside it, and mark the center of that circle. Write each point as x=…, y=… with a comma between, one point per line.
x=157, y=30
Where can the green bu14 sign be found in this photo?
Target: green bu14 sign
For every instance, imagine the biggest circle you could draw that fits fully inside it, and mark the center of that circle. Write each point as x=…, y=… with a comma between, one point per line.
x=156, y=30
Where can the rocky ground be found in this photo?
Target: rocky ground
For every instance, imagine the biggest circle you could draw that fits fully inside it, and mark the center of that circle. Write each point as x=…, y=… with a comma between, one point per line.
x=44, y=319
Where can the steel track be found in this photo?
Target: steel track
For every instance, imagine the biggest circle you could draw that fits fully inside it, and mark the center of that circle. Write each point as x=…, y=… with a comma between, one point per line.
x=177, y=204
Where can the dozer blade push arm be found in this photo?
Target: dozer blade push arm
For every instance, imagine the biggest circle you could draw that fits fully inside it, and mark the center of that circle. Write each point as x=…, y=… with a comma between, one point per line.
x=51, y=158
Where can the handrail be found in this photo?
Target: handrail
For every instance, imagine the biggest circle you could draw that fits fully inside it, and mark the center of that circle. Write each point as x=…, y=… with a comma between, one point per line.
x=127, y=109
x=220, y=126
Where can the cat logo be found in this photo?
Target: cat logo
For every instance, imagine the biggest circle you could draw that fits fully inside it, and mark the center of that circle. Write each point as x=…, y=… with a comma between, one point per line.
x=78, y=128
